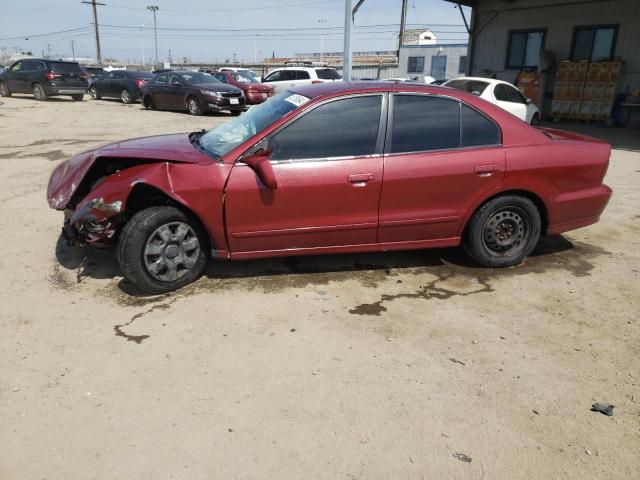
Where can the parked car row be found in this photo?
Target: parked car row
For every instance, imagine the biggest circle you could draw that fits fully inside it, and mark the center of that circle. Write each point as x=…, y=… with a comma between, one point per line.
x=229, y=88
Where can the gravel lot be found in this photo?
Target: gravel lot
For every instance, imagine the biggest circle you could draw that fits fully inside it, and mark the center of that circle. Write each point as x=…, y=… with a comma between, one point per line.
x=376, y=366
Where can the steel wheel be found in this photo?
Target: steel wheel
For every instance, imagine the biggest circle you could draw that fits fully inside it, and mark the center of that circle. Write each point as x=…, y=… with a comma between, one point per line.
x=193, y=106
x=38, y=92
x=506, y=231
x=171, y=251
x=125, y=96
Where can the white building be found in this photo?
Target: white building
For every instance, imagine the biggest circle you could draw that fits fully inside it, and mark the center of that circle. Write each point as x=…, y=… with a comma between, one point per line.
x=438, y=61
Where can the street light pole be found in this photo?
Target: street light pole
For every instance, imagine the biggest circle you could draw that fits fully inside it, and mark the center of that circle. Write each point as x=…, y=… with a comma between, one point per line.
x=346, y=73
x=154, y=9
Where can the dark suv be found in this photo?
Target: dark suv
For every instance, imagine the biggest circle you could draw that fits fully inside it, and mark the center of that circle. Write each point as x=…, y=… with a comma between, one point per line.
x=195, y=92
x=122, y=84
x=44, y=78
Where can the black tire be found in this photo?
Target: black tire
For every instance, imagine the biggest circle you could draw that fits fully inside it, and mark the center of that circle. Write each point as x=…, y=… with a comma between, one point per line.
x=193, y=106
x=535, y=121
x=235, y=113
x=4, y=90
x=94, y=94
x=39, y=93
x=77, y=98
x=148, y=103
x=126, y=97
x=142, y=248
x=503, y=231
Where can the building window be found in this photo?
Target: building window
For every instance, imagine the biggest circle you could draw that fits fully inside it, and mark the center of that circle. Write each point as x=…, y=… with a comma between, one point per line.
x=594, y=43
x=462, y=66
x=416, y=65
x=524, y=49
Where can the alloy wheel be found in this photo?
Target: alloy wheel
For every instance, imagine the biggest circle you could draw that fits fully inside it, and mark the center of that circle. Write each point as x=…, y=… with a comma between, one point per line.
x=38, y=92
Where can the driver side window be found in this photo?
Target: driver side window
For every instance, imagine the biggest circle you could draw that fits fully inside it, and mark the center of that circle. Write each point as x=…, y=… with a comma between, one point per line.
x=341, y=128
x=16, y=67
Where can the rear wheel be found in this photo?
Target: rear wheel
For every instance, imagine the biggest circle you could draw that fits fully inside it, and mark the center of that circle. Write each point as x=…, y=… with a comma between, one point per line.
x=77, y=98
x=194, y=106
x=503, y=231
x=93, y=93
x=39, y=93
x=162, y=249
x=4, y=90
x=125, y=96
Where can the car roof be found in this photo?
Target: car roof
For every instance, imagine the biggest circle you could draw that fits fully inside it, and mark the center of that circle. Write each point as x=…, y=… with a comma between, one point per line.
x=344, y=88
x=490, y=81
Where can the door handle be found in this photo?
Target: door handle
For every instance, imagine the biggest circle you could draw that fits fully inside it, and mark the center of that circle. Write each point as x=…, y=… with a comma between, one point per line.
x=485, y=170
x=360, y=178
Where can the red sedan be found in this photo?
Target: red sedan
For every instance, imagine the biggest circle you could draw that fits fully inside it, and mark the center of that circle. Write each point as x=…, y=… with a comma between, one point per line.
x=254, y=91
x=334, y=167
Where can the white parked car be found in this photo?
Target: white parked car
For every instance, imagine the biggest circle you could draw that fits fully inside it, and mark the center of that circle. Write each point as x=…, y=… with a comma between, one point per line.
x=502, y=93
x=282, y=79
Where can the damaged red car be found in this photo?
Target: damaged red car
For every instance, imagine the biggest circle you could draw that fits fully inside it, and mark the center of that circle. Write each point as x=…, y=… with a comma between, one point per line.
x=334, y=167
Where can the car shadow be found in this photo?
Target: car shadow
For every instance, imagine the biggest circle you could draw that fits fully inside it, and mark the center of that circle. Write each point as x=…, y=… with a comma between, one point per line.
x=29, y=97
x=103, y=264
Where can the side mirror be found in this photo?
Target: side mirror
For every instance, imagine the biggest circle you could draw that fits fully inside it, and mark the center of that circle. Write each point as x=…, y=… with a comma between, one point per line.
x=259, y=163
x=529, y=101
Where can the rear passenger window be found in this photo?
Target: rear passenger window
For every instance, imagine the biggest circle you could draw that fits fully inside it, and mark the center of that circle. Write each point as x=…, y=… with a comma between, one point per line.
x=341, y=128
x=423, y=123
x=302, y=75
x=478, y=130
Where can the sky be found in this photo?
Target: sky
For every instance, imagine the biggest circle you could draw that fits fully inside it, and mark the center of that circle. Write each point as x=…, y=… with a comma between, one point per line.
x=214, y=30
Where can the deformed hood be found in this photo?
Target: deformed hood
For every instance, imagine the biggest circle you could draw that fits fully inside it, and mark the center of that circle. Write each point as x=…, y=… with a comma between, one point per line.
x=67, y=176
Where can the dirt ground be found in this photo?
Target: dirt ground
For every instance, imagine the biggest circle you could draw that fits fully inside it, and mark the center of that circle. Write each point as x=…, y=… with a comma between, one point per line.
x=377, y=366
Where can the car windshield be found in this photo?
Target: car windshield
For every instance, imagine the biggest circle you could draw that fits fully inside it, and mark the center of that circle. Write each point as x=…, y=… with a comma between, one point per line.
x=227, y=136
x=473, y=86
x=244, y=77
x=328, y=74
x=197, y=78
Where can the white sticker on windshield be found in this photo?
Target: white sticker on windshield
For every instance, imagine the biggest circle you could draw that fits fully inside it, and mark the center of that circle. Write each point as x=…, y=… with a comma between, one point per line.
x=296, y=99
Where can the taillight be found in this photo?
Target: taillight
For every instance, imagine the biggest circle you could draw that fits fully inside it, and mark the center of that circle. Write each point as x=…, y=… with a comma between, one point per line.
x=316, y=81
x=51, y=75
x=140, y=83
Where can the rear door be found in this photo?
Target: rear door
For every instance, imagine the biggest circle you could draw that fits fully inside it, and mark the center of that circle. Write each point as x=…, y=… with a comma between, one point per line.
x=440, y=157
x=507, y=99
x=328, y=166
x=117, y=83
x=157, y=88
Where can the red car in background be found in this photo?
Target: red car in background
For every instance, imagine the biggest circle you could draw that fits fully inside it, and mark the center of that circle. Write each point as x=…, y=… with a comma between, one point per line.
x=333, y=167
x=254, y=91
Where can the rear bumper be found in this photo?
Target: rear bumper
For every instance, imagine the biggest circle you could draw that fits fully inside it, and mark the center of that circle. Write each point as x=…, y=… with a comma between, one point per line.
x=579, y=209
x=71, y=90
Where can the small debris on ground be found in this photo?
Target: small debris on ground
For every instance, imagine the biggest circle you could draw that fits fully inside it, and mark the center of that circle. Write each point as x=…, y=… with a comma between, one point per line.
x=604, y=408
x=462, y=457
x=536, y=411
x=455, y=360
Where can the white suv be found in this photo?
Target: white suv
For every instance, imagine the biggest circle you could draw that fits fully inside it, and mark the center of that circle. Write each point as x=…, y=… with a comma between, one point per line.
x=283, y=78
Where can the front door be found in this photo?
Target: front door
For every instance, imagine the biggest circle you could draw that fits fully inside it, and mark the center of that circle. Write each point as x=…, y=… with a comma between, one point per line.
x=433, y=170
x=328, y=166
x=14, y=78
x=174, y=93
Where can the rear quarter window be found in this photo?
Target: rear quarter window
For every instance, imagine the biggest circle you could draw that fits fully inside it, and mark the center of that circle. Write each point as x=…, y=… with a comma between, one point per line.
x=327, y=74
x=478, y=130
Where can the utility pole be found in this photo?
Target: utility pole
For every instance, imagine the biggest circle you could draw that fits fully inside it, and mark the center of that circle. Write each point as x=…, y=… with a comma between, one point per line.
x=94, y=5
x=154, y=9
x=403, y=23
x=48, y=50
x=73, y=50
x=255, y=49
x=142, y=44
x=348, y=20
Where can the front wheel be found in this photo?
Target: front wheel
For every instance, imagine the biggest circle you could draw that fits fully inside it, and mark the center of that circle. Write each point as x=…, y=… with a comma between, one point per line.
x=93, y=93
x=503, y=231
x=4, y=90
x=39, y=93
x=194, y=106
x=162, y=249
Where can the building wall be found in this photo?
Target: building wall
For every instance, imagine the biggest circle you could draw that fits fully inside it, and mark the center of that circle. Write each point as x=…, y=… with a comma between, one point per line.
x=559, y=18
x=452, y=52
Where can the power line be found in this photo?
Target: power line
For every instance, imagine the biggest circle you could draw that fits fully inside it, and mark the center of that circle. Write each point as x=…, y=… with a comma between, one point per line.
x=239, y=9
